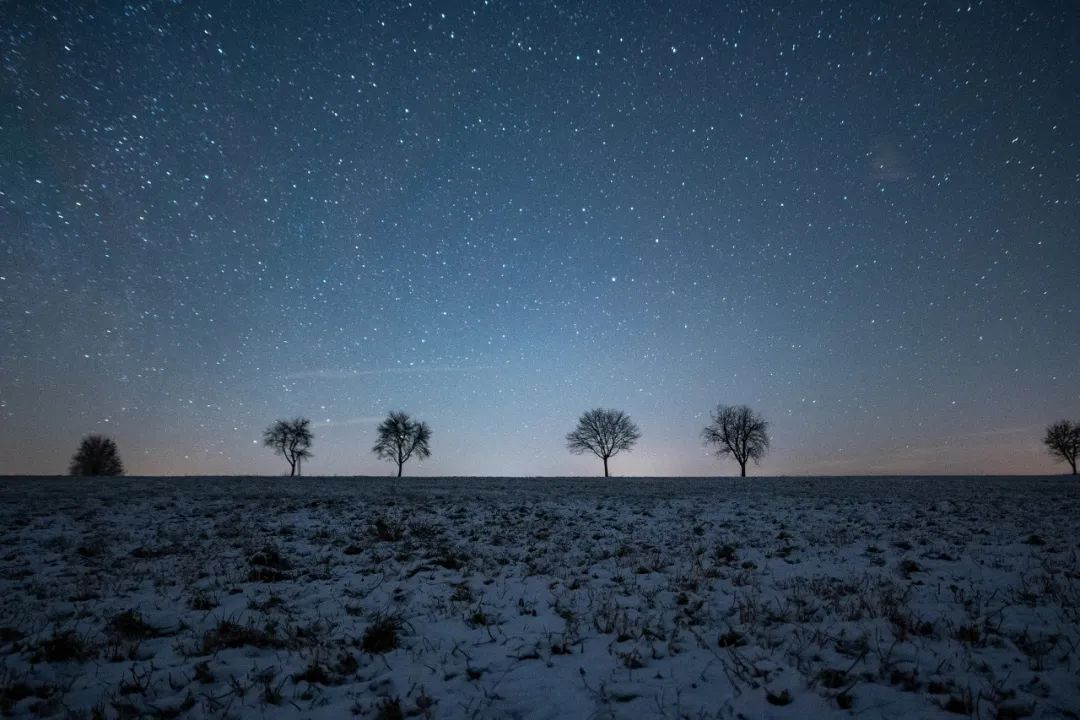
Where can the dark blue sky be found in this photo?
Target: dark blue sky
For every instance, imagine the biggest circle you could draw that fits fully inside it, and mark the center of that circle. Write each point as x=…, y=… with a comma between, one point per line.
x=859, y=218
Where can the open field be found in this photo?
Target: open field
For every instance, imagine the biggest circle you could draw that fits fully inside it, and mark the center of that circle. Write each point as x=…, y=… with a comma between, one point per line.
x=548, y=598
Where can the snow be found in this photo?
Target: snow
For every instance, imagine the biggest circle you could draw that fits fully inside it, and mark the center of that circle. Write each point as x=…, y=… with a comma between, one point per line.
x=539, y=598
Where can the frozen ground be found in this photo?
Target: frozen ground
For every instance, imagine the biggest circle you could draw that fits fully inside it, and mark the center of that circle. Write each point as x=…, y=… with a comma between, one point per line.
x=568, y=598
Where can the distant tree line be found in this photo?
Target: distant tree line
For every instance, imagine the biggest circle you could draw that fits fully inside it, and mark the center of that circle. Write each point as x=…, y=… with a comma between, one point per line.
x=734, y=431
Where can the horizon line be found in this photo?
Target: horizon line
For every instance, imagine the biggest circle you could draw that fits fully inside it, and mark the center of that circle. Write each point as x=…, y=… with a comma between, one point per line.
x=7, y=476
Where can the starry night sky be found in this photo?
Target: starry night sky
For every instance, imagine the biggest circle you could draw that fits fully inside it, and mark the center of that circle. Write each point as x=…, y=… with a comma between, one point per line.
x=861, y=219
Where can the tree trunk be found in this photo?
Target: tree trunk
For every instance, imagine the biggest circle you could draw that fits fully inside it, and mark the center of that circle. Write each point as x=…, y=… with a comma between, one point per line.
x=292, y=469
x=399, y=469
x=742, y=468
x=605, y=468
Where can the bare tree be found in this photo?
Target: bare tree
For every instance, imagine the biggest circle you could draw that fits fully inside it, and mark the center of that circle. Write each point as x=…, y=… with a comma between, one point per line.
x=97, y=456
x=603, y=433
x=292, y=440
x=399, y=438
x=1063, y=441
x=738, y=431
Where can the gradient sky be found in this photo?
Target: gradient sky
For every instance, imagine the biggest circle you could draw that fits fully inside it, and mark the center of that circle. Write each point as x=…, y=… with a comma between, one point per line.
x=859, y=218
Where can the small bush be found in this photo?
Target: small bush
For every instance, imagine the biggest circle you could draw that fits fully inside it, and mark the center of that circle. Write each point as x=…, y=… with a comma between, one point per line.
x=423, y=531
x=909, y=566
x=129, y=625
x=387, y=530
x=96, y=456
x=958, y=705
x=781, y=698
x=450, y=560
x=381, y=636
x=228, y=634
x=145, y=553
x=66, y=646
x=347, y=664
x=10, y=635
x=907, y=681
x=269, y=557
x=731, y=639
x=274, y=601
x=92, y=548
x=314, y=674
x=389, y=709
x=203, y=600
x=725, y=554
x=11, y=695
x=268, y=565
x=968, y=634
x=833, y=679
x=202, y=673
x=266, y=575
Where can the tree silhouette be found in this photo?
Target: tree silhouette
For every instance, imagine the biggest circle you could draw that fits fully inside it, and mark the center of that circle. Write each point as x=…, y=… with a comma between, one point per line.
x=290, y=439
x=603, y=433
x=1062, y=439
x=97, y=456
x=399, y=438
x=738, y=431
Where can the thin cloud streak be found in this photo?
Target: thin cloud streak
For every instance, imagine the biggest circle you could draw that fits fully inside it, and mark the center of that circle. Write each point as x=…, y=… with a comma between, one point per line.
x=1030, y=430
x=349, y=373
x=348, y=422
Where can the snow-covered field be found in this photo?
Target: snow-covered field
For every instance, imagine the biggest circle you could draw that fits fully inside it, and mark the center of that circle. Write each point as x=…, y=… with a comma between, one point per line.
x=547, y=598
